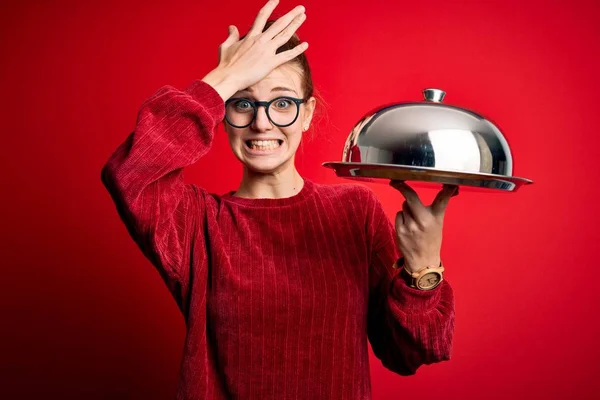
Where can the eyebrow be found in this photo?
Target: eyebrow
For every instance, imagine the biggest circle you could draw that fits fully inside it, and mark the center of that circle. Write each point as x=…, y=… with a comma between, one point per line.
x=275, y=89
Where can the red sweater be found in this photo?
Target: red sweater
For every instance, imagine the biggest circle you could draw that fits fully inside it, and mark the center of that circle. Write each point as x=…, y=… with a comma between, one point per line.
x=280, y=296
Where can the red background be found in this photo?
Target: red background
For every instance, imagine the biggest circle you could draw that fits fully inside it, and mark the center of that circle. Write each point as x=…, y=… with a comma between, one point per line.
x=84, y=315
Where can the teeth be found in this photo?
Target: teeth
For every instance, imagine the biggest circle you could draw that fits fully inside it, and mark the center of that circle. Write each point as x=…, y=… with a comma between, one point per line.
x=263, y=144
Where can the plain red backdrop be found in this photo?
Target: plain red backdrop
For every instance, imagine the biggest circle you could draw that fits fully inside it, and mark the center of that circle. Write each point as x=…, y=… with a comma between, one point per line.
x=84, y=315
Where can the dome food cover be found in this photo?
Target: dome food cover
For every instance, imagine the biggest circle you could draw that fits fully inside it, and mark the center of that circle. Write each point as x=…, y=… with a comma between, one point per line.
x=428, y=142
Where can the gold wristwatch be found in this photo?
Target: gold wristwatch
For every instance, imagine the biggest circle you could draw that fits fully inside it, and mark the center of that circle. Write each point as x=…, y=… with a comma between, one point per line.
x=427, y=278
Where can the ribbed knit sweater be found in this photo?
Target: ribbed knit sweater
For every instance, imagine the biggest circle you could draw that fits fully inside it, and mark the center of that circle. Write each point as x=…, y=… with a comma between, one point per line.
x=281, y=297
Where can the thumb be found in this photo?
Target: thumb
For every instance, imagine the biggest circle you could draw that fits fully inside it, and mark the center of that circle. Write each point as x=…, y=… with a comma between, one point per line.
x=443, y=197
x=233, y=37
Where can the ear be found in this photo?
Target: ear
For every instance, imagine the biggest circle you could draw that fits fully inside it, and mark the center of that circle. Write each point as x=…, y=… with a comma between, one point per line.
x=309, y=110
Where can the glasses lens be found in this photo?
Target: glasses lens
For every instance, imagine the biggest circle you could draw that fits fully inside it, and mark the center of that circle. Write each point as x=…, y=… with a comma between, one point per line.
x=239, y=112
x=283, y=111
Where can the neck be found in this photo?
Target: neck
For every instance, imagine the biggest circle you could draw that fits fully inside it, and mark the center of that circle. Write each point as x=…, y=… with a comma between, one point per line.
x=281, y=184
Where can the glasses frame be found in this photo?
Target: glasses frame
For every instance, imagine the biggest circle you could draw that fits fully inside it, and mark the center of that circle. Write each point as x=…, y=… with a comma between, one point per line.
x=266, y=105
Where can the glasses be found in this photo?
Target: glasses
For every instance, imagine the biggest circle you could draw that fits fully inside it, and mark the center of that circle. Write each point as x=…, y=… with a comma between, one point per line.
x=281, y=111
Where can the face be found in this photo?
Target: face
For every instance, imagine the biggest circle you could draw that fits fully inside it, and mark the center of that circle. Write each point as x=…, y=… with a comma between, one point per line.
x=264, y=147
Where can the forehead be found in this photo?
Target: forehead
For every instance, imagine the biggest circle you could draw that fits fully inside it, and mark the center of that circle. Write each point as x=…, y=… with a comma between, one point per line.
x=287, y=76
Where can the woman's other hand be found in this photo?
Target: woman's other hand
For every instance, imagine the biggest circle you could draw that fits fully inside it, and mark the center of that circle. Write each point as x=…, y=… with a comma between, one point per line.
x=419, y=227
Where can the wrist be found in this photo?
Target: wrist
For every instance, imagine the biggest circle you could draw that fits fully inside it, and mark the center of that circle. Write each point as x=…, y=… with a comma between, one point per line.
x=416, y=265
x=222, y=82
x=428, y=277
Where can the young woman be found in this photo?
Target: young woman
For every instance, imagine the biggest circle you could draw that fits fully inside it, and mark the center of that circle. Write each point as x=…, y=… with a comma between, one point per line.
x=284, y=282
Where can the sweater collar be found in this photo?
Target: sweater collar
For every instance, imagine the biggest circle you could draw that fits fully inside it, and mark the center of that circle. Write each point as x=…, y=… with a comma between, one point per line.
x=307, y=190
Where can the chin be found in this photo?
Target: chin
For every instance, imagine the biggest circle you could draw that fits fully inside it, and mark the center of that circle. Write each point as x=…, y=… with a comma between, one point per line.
x=265, y=166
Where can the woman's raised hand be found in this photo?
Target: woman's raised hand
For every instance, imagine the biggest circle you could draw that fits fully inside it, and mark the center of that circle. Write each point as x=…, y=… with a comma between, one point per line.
x=244, y=62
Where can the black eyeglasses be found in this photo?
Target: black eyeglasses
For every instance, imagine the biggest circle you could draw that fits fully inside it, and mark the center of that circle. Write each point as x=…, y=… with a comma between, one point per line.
x=281, y=111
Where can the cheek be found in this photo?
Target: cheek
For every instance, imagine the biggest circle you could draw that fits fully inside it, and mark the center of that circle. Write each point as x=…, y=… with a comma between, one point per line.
x=234, y=137
x=294, y=135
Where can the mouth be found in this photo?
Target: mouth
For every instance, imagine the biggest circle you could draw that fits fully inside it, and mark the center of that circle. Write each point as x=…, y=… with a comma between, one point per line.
x=263, y=146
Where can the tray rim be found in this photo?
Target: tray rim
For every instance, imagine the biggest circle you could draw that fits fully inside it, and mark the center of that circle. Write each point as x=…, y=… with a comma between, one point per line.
x=487, y=176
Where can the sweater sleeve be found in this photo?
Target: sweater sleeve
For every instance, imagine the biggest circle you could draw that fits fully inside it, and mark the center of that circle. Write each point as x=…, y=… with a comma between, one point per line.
x=144, y=177
x=407, y=327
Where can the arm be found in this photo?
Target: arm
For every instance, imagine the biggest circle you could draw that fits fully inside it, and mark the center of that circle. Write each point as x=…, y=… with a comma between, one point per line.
x=407, y=327
x=174, y=129
x=144, y=177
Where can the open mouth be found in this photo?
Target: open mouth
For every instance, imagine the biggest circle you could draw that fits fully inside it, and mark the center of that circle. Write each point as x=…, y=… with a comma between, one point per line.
x=263, y=145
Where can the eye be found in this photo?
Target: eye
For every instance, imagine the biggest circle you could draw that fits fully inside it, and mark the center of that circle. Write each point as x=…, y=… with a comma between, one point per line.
x=282, y=104
x=242, y=105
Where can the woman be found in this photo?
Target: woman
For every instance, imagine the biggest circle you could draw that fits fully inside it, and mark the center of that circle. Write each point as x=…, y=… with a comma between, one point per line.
x=284, y=282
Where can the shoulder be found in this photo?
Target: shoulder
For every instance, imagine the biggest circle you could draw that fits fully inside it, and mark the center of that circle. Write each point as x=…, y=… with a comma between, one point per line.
x=343, y=189
x=207, y=200
x=358, y=197
x=348, y=193
x=359, y=203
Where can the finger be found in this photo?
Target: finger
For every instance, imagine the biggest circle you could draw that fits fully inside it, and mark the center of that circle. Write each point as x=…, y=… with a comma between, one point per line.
x=405, y=221
x=399, y=219
x=409, y=193
x=409, y=219
x=262, y=18
x=400, y=228
x=442, y=198
x=289, y=55
x=283, y=22
x=282, y=37
x=408, y=216
x=418, y=210
x=234, y=36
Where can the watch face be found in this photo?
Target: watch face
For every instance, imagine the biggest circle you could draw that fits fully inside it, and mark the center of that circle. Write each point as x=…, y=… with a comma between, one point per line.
x=429, y=280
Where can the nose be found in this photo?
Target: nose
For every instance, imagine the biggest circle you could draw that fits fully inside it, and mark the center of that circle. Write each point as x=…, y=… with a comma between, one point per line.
x=261, y=123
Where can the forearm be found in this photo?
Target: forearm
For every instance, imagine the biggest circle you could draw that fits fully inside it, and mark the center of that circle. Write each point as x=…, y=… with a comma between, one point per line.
x=410, y=327
x=174, y=129
x=223, y=83
x=144, y=176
